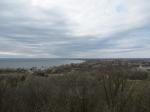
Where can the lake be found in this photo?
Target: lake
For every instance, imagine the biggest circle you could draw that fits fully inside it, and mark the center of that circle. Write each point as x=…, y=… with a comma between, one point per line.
x=39, y=63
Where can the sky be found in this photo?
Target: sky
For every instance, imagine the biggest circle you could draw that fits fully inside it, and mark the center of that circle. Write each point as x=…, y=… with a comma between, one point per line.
x=74, y=28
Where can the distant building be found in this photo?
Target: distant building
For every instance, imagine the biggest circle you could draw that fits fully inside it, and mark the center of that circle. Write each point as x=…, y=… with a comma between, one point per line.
x=144, y=68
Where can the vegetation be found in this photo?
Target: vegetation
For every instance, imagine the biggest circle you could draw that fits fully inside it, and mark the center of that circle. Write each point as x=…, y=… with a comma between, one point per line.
x=88, y=87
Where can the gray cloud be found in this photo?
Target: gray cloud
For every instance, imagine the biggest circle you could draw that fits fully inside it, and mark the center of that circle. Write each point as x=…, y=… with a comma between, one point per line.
x=134, y=40
x=31, y=36
x=27, y=32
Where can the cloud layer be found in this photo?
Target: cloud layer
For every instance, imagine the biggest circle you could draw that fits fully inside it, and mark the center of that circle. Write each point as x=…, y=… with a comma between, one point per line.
x=75, y=28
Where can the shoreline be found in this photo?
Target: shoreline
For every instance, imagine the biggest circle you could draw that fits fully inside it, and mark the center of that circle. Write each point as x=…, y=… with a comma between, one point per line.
x=91, y=66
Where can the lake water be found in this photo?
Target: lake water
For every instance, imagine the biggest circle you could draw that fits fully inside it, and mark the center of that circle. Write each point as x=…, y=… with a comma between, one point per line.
x=29, y=63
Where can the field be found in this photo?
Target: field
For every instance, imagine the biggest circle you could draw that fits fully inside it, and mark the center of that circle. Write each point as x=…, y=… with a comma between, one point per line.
x=92, y=86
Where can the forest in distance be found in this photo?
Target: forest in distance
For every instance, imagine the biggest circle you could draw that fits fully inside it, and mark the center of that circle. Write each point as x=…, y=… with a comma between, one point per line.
x=106, y=85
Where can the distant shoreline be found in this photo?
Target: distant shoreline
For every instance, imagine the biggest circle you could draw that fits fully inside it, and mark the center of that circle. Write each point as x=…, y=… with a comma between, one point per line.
x=44, y=63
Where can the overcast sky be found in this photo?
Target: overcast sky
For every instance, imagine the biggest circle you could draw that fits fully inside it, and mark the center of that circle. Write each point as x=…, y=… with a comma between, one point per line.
x=75, y=28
